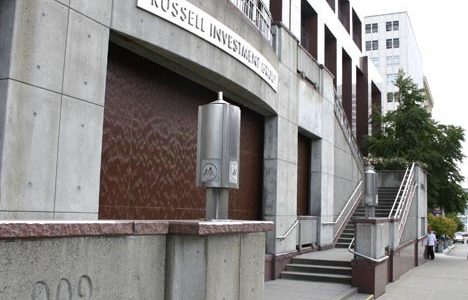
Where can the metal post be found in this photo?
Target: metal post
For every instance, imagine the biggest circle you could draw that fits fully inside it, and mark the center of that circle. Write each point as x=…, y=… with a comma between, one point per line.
x=217, y=204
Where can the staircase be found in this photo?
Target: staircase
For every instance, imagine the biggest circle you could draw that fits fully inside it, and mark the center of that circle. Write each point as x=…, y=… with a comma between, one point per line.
x=386, y=199
x=318, y=270
x=337, y=266
x=347, y=235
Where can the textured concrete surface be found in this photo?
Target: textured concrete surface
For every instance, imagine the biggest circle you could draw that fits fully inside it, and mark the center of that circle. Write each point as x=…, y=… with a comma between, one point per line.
x=79, y=149
x=38, y=45
x=252, y=269
x=104, y=268
x=29, y=148
x=229, y=266
x=85, y=70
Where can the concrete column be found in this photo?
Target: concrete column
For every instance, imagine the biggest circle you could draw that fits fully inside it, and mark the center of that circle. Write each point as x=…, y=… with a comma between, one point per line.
x=372, y=238
x=52, y=105
x=280, y=182
x=215, y=260
x=327, y=163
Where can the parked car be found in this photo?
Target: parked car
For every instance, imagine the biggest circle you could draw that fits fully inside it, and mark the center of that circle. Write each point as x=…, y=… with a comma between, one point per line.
x=458, y=238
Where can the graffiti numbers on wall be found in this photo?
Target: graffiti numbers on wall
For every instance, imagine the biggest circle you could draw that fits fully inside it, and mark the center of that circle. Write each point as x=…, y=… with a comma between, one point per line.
x=63, y=290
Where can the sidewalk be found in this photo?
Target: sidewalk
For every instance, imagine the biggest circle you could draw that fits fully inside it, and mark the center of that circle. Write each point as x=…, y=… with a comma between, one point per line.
x=444, y=278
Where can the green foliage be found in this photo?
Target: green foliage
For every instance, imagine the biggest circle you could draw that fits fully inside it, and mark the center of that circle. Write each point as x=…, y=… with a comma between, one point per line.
x=456, y=219
x=390, y=163
x=442, y=225
x=410, y=134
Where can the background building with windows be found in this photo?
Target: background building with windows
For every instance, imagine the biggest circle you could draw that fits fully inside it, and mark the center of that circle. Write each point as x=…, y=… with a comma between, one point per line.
x=391, y=45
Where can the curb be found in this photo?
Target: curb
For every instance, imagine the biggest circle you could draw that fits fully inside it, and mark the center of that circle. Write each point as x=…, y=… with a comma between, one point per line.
x=449, y=248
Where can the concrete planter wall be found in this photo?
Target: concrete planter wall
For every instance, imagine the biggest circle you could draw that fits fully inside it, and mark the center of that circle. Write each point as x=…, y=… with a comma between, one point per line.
x=131, y=260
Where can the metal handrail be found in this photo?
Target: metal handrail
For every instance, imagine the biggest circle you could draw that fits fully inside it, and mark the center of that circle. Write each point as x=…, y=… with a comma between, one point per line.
x=282, y=237
x=345, y=125
x=365, y=256
x=405, y=215
x=344, y=208
x=404, y=195
x=348, y=214
x=258, y=14
x=402, y=192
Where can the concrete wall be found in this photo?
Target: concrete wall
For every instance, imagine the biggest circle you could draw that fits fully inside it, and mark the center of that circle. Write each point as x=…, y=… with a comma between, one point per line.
x=132, y=260
x=52, y=95
x=215, y=267
x=390, y=178
x=129, y=267
x=402, y=259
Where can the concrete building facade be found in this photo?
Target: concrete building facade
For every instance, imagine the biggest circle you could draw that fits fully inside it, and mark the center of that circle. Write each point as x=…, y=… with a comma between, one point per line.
x=98, y=109
x=391, y=45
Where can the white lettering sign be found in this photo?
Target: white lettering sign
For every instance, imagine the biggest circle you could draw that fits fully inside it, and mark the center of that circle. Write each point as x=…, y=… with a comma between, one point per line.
x=198, y=22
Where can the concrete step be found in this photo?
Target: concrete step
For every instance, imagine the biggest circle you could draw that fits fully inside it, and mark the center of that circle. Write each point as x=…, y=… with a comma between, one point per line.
x=345, y=240
x=346, y=279
x=321, y=262
x=318, y=269
x=358, y=296
x=341, y=245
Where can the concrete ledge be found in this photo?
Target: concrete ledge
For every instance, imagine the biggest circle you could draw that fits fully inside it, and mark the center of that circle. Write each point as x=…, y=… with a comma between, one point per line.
x=371, y=220
x=308, y=218
x=50, y=229
x=196, y=227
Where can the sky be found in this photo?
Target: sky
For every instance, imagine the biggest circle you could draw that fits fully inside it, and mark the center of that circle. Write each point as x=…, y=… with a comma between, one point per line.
x=441, y=30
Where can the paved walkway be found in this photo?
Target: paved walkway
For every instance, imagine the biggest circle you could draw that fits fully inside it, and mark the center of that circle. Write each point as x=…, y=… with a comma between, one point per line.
x=285, y=289
x=444, y=278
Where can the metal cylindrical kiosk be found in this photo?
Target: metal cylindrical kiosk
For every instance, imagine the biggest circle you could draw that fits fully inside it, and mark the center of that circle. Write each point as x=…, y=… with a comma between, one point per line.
x=371, y=198
x=218, y=142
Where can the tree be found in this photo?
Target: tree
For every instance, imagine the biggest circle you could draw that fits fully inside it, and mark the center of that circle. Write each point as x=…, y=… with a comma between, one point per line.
x=410, y=133
x=442, y=225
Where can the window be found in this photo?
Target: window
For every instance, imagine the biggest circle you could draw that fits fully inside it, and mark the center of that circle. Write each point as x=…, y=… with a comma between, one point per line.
x=393, y=60
x=389, y=43
x=388, y=26
x=375, y=61
x=393, y=97
x=372, y=45
x=393, y=43
x=391, y=78
x=389, y=97
x=375, y=27
x=395, y=25
x=396, y=96
x=368, y=28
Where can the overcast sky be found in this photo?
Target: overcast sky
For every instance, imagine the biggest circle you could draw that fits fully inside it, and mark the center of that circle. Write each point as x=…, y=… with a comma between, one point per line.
x=441, y=29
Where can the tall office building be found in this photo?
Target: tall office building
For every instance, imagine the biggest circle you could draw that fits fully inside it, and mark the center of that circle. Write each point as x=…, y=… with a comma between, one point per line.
x=391, y=45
